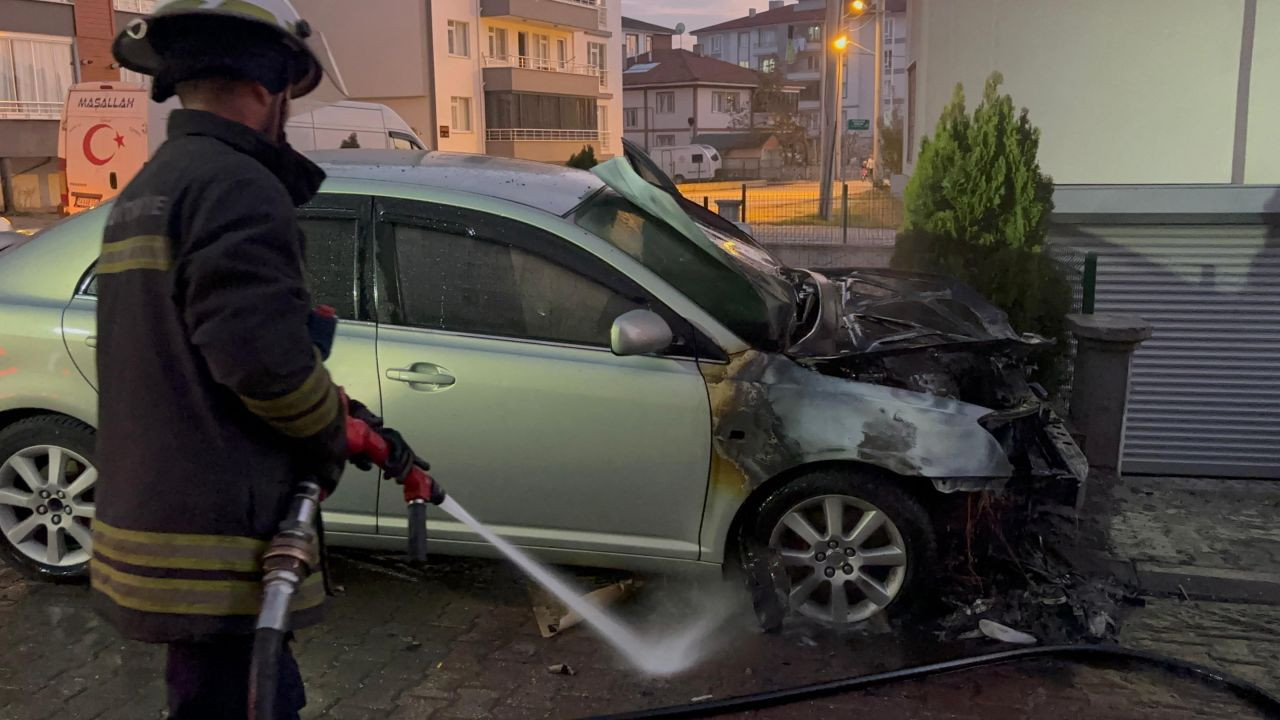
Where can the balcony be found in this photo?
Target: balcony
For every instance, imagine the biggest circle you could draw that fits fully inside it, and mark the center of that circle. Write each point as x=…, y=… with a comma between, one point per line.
x=545, y=145
x=578, y=14
x=28, y=110
x=515, y=73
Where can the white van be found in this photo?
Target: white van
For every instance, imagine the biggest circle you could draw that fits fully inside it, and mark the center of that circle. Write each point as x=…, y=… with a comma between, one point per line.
x=102, y=143
x=351, y=124
x=110, y=129
x=687, y=162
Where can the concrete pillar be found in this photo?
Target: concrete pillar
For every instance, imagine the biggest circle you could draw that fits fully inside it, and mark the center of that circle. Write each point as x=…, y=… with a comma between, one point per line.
x=730, y=210
x=1100, y=386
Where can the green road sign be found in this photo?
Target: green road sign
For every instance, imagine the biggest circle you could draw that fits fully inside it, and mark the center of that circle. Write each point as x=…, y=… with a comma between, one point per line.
x=857, y=124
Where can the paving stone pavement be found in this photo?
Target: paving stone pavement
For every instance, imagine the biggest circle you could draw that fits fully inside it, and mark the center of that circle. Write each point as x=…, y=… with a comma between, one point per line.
x=460, y=642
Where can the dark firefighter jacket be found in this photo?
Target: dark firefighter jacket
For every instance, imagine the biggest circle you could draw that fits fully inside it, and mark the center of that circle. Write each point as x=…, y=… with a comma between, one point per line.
x=213, y=401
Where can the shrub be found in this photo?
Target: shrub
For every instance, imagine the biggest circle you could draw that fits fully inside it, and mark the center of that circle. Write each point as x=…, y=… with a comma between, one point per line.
x=584, y=159
x=978, y=208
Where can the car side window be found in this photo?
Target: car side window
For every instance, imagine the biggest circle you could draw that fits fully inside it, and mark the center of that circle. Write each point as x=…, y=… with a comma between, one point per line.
x=331, y=262
x=470, y=283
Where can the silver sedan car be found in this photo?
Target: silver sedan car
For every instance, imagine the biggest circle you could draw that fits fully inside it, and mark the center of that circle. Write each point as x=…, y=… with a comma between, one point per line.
x=600, y=370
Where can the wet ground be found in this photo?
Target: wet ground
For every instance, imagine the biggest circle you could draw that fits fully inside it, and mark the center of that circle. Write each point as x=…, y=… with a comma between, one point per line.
x=460, y=641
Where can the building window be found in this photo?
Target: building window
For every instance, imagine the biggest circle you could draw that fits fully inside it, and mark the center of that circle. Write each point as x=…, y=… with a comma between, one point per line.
x=461, y=113
x=768, y=64
x=888, y=30
x=562, y=53
x=666, y=102
x=35, y=69
x=715, y=45
x=888, y=60
x=459, y=39
x=664, y=140
x=631, y=117
x=724, y=102
x=814, y=33
x=633, y=44
x=766, y=37
x=596, y=53
x=744, y=64
x=811, y=63
x=648, y=43
x=498, y=42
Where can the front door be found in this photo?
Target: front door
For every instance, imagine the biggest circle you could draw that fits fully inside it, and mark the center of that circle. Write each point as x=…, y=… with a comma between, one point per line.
x=493, y=355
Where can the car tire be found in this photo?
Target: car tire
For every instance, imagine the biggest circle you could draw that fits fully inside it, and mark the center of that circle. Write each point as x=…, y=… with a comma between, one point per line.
x=44, y=520
x=678, y=179
x=884, y=552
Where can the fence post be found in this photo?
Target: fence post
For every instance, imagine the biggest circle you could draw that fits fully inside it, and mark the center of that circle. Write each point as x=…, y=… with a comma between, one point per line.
x=706, y=202
x=743, y=214
x=1089, y=283
x=844, y=213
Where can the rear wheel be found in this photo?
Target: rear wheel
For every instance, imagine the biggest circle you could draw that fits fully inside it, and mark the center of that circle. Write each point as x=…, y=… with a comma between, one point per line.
x=678, y=179
x=47, y=480
x=850, y=546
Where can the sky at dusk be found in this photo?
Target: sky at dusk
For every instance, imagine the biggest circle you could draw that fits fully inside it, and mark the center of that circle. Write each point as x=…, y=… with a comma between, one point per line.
x=693, y=13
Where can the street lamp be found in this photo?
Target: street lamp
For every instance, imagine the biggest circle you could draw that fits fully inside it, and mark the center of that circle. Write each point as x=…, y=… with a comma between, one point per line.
x=857, y=7
x=841, y=45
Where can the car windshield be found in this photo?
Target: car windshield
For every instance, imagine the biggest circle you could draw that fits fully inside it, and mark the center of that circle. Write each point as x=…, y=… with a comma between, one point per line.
x=744, y=288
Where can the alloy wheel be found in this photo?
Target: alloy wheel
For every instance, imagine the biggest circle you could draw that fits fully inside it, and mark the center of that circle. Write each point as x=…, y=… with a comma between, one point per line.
x=844, y=556
x=46, y=504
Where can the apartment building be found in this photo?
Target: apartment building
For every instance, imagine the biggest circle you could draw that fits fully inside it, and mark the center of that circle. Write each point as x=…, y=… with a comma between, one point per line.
x=673, y=96
x=45, y=47
x=792, y=39
x=857, y=95
x=787, y=39
x=640, y=37
x=533, y=79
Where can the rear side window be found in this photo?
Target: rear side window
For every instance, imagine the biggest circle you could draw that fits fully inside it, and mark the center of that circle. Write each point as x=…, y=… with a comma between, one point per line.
x=331, y=262
x=696, y=159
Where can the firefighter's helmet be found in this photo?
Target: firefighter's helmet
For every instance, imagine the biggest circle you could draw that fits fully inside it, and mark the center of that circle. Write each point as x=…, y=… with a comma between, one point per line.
x=263, y=40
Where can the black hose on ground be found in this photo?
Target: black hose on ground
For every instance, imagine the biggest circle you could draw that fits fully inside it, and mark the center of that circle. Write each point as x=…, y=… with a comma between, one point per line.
x=1088, y=654
x=264, y=669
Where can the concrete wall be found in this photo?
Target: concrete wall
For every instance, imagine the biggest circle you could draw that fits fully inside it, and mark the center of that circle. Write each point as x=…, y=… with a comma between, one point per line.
x=384, y=62
x=1142, y=91
x=1262, y=163
x=455, y=76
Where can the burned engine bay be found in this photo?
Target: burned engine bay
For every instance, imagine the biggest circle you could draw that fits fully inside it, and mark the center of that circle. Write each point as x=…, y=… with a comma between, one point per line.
x=935, y=335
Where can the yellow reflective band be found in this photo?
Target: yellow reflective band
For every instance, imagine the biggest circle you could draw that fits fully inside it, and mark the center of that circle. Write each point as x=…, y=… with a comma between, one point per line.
x=192, y=597
x=312, y=422
x=311, y=391
x=143, y=252
x=177, y=555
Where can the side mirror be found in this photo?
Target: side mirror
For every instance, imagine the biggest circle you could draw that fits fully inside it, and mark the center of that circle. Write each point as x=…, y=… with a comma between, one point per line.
x=639, y=332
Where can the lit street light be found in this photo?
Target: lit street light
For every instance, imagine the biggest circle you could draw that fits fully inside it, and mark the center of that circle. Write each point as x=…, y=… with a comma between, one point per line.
x=841, y=42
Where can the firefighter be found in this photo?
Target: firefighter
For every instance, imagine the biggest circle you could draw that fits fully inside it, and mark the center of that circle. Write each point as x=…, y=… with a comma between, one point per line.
x=214, y=401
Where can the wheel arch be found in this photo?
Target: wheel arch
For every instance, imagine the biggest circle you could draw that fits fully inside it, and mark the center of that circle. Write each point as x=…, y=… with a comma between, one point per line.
x=920, y=488
x=14, y=415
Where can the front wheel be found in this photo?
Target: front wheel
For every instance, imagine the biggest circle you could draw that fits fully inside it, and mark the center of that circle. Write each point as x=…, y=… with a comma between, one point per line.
x=850, y=546
x=47, y=481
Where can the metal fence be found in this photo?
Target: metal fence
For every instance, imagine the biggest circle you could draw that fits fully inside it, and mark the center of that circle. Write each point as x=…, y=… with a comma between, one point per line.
x=859, y=229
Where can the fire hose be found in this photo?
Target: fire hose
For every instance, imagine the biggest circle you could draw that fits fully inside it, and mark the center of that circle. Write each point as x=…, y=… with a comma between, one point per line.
x=293, y=554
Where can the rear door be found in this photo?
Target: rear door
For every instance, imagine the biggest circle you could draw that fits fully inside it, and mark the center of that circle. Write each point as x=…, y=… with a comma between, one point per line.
x=338, y=237
x=494, y=361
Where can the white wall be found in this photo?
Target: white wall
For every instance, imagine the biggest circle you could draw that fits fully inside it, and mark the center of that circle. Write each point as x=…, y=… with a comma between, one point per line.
x=457, y=76
x=1262, y=162
x=1142, y=91
x=612, y=90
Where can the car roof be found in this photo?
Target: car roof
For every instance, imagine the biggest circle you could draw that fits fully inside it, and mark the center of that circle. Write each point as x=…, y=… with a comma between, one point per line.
x=553, y=188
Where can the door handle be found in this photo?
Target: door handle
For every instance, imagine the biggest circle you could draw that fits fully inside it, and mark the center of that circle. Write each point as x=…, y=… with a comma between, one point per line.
x=92, y=341
x=422, y=374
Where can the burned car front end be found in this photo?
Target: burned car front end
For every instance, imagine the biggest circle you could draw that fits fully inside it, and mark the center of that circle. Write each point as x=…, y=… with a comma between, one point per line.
x=933, y=335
